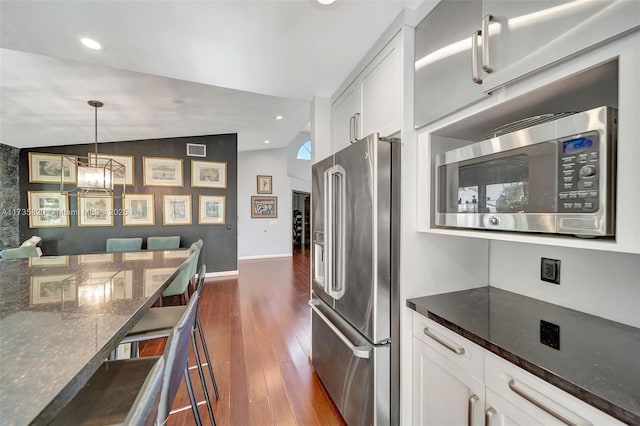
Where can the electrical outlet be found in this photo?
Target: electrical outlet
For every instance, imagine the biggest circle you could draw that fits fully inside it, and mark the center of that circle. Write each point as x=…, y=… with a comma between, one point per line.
x=550, y=270
x=550, y=334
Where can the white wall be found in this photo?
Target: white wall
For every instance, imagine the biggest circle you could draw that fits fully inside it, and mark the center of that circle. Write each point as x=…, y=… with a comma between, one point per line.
x=601, y=283
x=263, y=237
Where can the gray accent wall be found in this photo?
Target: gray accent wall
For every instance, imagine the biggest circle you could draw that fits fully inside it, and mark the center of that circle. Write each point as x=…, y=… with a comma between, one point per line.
x=9, y=196
x=220, y=250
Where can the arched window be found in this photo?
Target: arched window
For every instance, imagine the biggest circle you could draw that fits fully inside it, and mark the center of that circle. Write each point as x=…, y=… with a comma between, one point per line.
x=304, y=153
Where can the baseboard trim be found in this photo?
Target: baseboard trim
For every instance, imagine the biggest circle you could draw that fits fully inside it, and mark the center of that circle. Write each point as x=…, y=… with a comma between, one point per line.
x=265, y=256
x=221, y=274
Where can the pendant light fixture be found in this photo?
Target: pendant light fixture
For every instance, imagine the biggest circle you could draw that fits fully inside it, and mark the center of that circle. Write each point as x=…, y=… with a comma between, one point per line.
x=96, y=176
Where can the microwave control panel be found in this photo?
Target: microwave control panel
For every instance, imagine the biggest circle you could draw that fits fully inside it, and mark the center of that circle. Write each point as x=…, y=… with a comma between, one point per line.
x=579, y=173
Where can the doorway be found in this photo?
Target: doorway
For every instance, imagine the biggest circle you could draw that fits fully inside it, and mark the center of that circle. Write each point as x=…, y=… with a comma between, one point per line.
x=301, y=221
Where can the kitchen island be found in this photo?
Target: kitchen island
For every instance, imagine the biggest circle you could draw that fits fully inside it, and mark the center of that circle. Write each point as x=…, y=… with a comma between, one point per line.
x=594, y=359
x=61, y=316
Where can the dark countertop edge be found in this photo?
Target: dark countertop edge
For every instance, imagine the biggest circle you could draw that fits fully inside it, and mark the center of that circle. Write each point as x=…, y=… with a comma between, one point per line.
x=571, y=388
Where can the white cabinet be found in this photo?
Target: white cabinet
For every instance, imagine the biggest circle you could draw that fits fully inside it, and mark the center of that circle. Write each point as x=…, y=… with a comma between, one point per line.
x=530, y=397
x=456, y=382
x=345, y=113
x=447, y=377
x=524, y=36
x=373, y=102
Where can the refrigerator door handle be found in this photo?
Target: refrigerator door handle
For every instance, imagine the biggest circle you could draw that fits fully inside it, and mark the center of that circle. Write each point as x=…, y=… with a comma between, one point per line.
x=334, y=220
x=358, y=351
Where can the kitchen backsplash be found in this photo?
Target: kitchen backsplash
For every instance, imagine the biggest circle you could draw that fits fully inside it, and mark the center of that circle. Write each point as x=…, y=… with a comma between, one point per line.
x=600, y=283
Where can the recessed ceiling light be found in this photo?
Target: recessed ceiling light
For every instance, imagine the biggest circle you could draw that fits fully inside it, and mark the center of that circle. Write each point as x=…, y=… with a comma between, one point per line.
x=90, y=43
x=279, y=117
x=326, y=1
x=266, y=141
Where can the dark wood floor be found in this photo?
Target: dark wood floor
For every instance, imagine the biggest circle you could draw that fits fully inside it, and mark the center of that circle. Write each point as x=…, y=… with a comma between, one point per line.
x=257, y=328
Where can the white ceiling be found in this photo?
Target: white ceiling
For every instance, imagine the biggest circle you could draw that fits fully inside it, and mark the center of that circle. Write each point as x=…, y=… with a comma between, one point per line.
x=177, y=68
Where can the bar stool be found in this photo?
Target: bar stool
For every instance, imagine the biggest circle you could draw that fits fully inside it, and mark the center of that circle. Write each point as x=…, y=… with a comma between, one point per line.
x=124, y=389
x=158, y=322
x=163, y=243
x=123, y=244
x=180, y=284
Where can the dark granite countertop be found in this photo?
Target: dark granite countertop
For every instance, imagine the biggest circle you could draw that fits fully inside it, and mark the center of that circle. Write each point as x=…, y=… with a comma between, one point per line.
x=60, y=317
x=598, y=360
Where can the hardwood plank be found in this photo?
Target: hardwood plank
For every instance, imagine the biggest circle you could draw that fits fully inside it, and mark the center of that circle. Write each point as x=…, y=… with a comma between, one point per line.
x=257, y=329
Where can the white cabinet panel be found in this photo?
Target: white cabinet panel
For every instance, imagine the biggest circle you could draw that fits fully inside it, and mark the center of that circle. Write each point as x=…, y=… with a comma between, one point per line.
x=382, y=92
x=500, y=412
x=443, y=393
x=344, y=115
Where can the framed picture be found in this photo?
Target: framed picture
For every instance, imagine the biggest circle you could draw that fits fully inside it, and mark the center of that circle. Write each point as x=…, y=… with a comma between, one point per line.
x=211, y=209
x=49, y=261
x=176, y=254
x=177, y=209
x=264, y=207
x=138, y=209
x=48, y=209
x=264, y=184
x=126, y=176
x=208, y=174
x=160, y=171
x=52, y=289
x=137, y=256
x=154, y=278
x=96, y=258
x=196, y=150
x=46, y=168
x=95, y=211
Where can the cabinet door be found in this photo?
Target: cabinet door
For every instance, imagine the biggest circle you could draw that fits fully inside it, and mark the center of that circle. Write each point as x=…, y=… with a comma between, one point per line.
x=343, y=112
x=528, y=35
x=443, y=72
x=442, y=393
x=382, y=92
x=500, y=412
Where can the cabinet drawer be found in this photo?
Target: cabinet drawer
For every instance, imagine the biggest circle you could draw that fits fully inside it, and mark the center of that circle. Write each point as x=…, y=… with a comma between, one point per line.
x=462, y=352
x=519, y=387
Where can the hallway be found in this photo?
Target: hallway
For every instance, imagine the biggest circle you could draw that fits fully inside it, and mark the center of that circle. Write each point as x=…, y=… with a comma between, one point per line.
x=257, y=328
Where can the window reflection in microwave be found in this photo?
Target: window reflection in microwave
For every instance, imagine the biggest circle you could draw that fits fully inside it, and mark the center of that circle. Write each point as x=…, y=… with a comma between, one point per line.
x=507, y=197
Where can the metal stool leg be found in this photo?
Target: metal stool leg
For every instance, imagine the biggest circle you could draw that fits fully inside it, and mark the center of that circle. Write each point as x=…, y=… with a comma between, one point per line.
x=192, y=397
x=206, y=355
x=207, y=397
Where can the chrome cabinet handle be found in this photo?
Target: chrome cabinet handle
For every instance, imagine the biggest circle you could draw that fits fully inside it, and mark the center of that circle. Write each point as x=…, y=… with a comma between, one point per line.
x=475, y=68
x=486, y=19
x=352, y=127
x=472, y=402
x=355, y=127
x=488, y=416
x=456, y=349
x=358, y=351
x=544, y=407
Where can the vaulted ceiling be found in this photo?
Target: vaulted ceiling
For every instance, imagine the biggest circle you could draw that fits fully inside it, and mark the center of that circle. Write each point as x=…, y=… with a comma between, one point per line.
x=177, y=68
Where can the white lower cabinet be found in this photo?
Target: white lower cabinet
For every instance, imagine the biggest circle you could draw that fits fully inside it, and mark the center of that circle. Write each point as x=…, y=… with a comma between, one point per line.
x=444, y=394
x=456, y=382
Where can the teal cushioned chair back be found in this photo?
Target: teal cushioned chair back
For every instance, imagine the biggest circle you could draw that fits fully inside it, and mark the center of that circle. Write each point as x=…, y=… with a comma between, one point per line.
x=124, y=244
x=19, y=253
x=163, y=243
x=180, y=283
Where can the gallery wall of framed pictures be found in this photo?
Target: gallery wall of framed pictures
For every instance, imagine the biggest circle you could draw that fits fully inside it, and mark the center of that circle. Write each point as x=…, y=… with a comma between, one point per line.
x=175, y=186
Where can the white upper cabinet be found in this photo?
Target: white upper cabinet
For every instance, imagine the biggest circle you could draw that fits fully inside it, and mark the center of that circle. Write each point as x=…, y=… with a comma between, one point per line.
x=443, y=60
x=345, y=113
x=373, y=102
x=528, y=35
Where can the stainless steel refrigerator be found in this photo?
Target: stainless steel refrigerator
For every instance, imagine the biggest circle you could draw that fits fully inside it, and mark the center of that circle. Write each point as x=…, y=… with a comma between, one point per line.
x=355, y=308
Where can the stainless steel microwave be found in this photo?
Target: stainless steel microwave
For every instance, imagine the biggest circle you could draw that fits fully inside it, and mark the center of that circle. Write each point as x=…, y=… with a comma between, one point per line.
x=554, y=175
